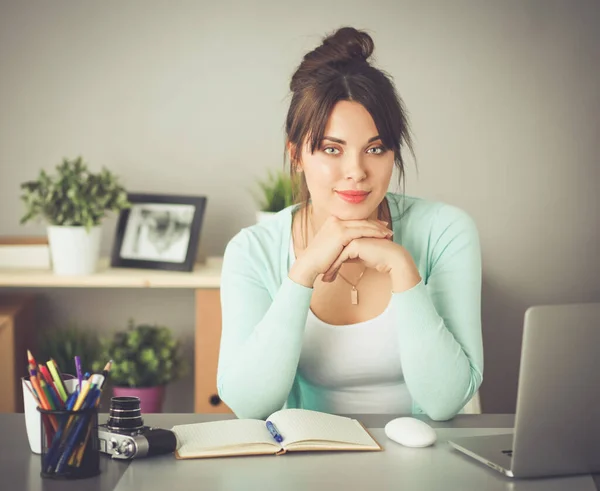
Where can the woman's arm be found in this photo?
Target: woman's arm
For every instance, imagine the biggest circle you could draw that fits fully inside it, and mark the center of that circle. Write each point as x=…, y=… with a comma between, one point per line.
x=261, y=336
x=440, y=323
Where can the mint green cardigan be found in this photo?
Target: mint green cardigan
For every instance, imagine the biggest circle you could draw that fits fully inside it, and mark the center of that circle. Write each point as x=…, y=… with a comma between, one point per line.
x=438, y=320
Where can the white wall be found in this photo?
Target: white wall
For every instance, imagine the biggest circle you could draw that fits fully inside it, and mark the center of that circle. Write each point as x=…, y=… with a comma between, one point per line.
x=190, y=97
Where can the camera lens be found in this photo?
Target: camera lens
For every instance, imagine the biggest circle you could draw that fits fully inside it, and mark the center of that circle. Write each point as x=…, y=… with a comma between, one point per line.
x=125, y=415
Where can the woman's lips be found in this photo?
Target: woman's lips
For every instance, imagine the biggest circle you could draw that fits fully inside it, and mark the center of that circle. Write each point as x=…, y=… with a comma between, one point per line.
x=353, y=196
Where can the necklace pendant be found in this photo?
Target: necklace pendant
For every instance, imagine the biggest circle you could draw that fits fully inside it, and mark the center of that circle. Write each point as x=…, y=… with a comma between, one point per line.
x=354, y=296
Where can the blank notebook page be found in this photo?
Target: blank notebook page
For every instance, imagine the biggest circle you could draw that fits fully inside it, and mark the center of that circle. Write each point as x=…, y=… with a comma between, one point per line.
x=297, y=425
x=196, y=438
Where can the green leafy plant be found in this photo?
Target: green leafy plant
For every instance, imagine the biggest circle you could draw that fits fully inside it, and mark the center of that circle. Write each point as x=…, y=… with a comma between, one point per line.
x=64, y=343
x=143, y=356
x=74, y=196
x=277, y=191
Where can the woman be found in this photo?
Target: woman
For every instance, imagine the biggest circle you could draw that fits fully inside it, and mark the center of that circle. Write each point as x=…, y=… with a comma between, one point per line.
x=356, y=300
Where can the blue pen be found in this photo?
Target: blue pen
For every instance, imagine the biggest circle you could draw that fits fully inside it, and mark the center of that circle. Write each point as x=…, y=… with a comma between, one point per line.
x=57, y=440
x=70, y=443
x=90, y=398
x=274, y=433
x=71, y=400
x=54, y=447
x=59, y=443
x=76, y=430
x=65, y=448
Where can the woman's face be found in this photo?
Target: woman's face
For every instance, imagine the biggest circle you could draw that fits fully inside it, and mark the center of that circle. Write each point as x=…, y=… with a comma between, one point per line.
x=349, y=174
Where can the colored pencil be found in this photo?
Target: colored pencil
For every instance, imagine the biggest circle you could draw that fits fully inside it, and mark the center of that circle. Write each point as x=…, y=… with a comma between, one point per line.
x=106, y=372
x=51, y=386
x=70, y=453
x=79, y=453
x=48, y=393
x=44, y=402
x=35, y=396
x=31, y=359
x=70, y=439
x=60, y=386
x=36, y=385
x=79, y=402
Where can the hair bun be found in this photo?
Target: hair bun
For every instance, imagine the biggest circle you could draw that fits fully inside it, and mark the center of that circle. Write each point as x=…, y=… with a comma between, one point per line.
x=346, y=45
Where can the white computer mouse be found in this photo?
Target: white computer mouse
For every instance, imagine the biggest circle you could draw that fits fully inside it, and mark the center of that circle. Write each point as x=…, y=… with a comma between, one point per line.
x=410, y=432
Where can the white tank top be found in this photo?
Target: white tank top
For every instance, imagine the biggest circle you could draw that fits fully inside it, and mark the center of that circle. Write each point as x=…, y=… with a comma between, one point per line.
x=352, y=368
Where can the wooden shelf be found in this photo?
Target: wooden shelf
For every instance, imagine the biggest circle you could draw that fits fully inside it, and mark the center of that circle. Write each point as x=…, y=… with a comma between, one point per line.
x=206, y=275
x=205, y=280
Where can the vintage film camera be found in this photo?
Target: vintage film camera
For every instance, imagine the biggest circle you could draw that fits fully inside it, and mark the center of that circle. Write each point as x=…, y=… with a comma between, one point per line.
x=124, y=435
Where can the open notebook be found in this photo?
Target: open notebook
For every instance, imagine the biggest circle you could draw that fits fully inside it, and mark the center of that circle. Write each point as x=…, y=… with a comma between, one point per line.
x=301, y=430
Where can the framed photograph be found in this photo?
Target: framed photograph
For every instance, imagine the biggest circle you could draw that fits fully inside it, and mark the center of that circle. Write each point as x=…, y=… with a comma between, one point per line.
x=159, y=231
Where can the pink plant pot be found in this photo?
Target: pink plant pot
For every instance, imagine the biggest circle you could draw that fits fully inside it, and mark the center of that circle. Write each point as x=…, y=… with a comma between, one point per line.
x=151, y=398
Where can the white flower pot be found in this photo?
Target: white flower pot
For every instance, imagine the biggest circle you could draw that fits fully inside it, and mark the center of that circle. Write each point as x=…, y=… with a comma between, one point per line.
x=264, y=215
x=74, y=250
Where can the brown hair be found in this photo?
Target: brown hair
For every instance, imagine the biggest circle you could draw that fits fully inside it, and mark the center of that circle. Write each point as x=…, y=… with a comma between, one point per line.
x=338, y=70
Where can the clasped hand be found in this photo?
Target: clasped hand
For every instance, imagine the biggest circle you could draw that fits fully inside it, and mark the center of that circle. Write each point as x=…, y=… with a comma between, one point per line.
x=339, y=241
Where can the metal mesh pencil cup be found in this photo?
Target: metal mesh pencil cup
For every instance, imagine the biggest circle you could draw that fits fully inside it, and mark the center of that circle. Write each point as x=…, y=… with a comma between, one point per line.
x=69, y=443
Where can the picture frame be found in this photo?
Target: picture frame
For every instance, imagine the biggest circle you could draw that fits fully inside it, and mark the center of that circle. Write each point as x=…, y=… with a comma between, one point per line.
x=159, y=231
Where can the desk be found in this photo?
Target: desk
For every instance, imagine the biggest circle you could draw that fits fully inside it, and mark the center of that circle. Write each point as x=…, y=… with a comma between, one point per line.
x=205, y=279
x=438, y=467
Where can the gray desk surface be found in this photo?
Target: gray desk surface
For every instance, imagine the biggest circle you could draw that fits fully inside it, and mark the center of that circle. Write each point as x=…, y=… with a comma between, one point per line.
x=437, y=467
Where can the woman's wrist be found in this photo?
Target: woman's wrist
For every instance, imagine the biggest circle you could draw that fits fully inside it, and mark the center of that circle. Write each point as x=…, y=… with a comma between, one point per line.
x=299, y=274
x=405, y=275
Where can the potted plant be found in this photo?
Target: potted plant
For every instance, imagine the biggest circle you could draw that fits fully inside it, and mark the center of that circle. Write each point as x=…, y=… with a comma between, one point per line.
x=73, y=202
x=64, y=343
x=145, y=359
x=277, y=192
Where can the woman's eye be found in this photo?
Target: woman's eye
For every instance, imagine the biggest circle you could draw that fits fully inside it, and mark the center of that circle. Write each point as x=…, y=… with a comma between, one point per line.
x=377, y=150
x=334, y=151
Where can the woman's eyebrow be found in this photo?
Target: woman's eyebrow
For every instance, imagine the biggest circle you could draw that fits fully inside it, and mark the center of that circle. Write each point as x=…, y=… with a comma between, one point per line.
x=342, y=142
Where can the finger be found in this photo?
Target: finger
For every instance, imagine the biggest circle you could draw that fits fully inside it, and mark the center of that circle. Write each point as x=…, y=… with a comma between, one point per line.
x=362, y=223
x=329, y=279
x=351, y=234
x=347, y=253
x=360, y=227
x=332, y=271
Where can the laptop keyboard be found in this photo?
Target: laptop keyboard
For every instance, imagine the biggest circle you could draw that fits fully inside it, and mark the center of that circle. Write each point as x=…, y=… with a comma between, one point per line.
x=507, y=452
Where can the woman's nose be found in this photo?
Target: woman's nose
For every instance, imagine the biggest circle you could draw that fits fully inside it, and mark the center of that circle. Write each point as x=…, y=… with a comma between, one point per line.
x=353, y=168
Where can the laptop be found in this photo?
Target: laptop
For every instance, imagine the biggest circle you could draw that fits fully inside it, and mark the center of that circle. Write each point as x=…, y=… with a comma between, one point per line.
x=557, y=420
